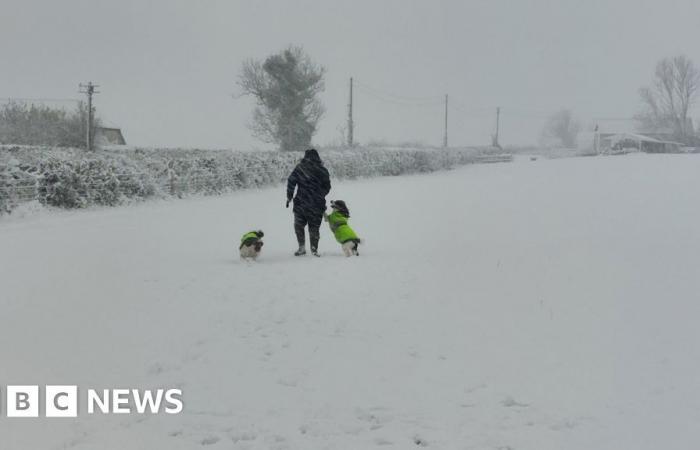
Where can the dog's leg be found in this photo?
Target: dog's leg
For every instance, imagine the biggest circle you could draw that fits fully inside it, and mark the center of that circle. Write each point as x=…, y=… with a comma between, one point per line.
x=248, y=252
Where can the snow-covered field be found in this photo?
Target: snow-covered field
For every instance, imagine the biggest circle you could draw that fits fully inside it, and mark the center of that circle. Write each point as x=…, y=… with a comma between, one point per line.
x=535, y=305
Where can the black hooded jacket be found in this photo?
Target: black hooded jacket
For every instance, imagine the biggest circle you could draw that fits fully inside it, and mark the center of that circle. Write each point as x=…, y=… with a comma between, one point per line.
x=312, y=182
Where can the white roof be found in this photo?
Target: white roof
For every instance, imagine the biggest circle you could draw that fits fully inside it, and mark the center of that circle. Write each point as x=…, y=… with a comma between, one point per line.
x=633, y=137
x=639, y=138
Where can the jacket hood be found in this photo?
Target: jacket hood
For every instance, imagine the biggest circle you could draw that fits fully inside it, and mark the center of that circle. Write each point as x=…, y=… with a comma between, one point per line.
x=312, y=155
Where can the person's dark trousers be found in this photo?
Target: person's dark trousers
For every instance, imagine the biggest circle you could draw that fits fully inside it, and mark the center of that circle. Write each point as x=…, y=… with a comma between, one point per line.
x=311, y=218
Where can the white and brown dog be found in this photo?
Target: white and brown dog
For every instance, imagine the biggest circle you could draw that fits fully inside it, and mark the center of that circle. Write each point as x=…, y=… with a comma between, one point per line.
x=251, y=244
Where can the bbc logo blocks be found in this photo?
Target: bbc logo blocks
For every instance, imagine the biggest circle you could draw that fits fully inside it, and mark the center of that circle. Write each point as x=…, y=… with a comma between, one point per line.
x=24, y=401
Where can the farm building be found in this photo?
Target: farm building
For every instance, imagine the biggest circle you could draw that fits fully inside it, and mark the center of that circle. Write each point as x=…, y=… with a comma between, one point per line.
x=109, y=136
x=625, y=142
x=623, y=136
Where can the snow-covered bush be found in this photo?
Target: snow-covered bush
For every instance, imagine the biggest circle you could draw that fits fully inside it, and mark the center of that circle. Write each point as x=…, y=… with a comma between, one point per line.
x=7, y=191
x=74, y=178
x=17, y=184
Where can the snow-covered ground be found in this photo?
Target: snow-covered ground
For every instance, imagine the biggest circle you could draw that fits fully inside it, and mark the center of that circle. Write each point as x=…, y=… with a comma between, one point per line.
x=537, y=305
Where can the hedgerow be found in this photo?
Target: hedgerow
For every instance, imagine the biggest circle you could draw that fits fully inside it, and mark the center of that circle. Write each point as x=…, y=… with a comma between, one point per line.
x=74, y=178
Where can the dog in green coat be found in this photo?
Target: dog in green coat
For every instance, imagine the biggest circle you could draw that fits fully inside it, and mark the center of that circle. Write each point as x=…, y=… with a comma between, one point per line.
x=251, y=244
x=338, y=221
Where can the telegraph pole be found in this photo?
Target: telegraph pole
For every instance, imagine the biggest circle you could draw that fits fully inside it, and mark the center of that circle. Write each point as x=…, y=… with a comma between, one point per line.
x=444, y=138
x=498, y=123
x=350, y=122
x=89, y=90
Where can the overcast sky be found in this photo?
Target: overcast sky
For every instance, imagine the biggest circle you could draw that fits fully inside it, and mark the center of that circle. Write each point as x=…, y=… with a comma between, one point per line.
x=167, y=69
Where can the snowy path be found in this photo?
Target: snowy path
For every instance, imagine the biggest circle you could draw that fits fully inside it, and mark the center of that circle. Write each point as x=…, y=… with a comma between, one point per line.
x=532, y=305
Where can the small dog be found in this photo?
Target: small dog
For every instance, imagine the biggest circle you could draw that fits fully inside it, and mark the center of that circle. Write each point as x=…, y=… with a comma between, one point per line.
x=251, y=244
x=338, y=221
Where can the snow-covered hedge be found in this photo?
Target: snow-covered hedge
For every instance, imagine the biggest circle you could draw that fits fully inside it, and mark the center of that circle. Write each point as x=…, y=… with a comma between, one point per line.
x=73, y=178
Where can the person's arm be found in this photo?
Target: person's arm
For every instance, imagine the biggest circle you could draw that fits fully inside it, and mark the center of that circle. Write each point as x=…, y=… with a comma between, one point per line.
x=291, y=185
x=326, y=183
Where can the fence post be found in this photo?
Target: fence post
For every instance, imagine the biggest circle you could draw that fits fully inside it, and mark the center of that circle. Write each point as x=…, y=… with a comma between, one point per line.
x=171, y=175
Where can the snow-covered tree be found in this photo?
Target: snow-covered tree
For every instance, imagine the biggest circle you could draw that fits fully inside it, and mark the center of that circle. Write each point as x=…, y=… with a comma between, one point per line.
x=30, y=124
x=672, y=93
x=286, y=87
x=562, y=128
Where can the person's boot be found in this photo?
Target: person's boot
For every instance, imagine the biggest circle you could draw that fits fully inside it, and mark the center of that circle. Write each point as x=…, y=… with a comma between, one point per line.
x=301, y=238
x=314, y=238
x=314, y=244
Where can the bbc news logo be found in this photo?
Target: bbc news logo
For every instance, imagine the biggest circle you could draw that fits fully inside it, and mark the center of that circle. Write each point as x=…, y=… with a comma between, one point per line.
x=63, y=401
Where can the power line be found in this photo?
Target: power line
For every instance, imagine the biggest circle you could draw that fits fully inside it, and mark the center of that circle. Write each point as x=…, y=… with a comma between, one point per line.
x=399, y=99
x=461, y=110
x=444, y=140
x=506, y=112
x=621, y=119
x=30, y=99
x=498, y=127
x=399, y=102
x=472, y=112
x=351, y=125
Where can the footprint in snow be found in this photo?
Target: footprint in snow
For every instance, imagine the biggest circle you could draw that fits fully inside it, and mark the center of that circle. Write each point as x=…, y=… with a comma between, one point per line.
x=376, y=417
x=192, y=357
x=245, y=436
x=564, y=425
x=211, y=440
x=289, y=381
x=469, y=390
x=419, y=441
x=510, y=402
x=158, y=368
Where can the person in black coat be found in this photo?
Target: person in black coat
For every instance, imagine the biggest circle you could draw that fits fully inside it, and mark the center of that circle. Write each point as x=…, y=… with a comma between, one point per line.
x=312, y=183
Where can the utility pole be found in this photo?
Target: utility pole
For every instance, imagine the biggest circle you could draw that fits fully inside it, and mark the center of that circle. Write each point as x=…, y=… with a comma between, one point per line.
x=444, y=138
x=596, y=140
x=498, y=123
x=89, y=90
x=350, y=122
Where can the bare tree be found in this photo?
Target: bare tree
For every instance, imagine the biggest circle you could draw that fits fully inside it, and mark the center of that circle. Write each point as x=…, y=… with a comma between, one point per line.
x=286, y=87
x=672, y=93
x=563, y=128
